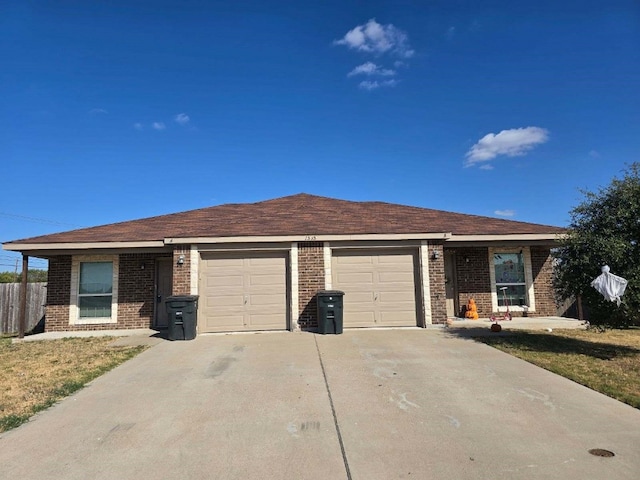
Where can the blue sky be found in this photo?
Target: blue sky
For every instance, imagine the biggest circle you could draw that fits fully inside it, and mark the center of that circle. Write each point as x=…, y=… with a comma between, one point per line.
x=116, y=110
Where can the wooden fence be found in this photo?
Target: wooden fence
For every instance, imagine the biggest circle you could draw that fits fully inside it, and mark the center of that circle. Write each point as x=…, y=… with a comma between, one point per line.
x=10, y=306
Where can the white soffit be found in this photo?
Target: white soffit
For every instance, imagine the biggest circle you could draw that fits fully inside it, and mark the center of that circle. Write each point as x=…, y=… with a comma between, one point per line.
x=308, y=238
x=523, y=237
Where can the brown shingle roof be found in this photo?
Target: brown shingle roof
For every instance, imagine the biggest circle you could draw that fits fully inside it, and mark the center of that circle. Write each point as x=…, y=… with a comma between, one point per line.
x=300, y=214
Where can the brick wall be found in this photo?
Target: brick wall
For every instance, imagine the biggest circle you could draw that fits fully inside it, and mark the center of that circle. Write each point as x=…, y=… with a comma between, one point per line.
x=310, y=280
x=136, y=290
x=474, y=280
x=542, y=270
x=58, y=293
x=182, y=273
x=136, y=294
x=472, y=267
x=436, y=285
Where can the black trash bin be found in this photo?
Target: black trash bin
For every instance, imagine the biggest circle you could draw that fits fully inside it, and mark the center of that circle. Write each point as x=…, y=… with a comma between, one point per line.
x=330, y=311
x=183, y=316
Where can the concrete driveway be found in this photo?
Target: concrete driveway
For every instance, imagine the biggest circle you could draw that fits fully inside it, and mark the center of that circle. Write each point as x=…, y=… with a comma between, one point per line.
x=363, y=405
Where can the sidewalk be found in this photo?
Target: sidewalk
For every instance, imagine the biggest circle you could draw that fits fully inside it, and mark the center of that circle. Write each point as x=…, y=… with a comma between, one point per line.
x=521, y=323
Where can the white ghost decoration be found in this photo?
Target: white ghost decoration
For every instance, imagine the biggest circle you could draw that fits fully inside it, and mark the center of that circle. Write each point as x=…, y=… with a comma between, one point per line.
x=609, y=285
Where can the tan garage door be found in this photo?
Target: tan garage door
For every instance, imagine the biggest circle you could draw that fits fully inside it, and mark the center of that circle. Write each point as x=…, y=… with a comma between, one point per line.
x=379, y=287
x=242, y=292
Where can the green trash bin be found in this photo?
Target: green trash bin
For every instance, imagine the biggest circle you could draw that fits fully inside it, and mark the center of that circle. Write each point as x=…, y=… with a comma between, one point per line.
x=183, y=317
x=330, y=307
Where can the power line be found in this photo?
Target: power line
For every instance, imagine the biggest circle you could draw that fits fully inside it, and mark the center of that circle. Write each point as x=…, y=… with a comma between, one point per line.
x=38, y=220
x=36, y=260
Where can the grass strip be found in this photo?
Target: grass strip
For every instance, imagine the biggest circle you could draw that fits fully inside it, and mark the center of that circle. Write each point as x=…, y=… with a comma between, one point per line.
x=35, y=375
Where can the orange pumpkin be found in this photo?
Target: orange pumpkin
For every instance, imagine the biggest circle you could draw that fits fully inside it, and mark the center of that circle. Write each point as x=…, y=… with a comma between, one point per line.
x=472, y=310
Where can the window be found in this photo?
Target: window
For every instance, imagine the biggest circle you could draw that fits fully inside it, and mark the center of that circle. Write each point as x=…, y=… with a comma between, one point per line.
x=511, y=271
x=95, y=291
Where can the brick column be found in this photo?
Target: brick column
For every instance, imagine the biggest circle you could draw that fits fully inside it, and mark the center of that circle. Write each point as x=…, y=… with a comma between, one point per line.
x=436, y=284
x=58, y=294
x=310, y=280
x=542, y=270
x=181, y=271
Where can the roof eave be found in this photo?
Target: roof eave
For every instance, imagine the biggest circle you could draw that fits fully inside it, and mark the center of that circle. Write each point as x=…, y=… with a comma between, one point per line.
x=518, y=237
x=25, y=247
x=444, y=236
x=307, y=238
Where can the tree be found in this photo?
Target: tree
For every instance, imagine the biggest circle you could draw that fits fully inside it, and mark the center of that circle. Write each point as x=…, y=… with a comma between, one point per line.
x=8, y=277
x=33, y=276
x=604, y=230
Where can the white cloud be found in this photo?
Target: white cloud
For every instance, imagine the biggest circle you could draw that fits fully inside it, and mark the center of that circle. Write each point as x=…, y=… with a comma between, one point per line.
x=370, y=68
x=512, y=143
x=505, y=213
x=98, y=111
x=375, y=38
x=159, y=126
x=138, y=126
x=182, y=118
x=486, y=166
x=451, y=32
x=375, y=84
x=594, y=154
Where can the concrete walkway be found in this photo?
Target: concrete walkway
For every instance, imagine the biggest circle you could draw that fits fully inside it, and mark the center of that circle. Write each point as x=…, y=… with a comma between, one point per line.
x=518, y=323
x=363, y=405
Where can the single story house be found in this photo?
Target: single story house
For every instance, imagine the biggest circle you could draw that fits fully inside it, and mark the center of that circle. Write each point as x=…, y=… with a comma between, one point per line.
x=258, y=266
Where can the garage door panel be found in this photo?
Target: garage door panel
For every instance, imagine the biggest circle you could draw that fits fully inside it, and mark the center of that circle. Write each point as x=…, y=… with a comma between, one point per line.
x=354, y=259
x=226, y=263
x=265, y=321
x=266, y=288
x=268, y=279
x=398, y=318
x=223, y=281
x=361, y=319
x=356, y=279
x=232, y=300
x=264, y=261
x=265, y=300
x=356, y=297
x=242, y=291
x=396, y=287
x=400, y=297
x=224, y=320
x=405, y=278
x=395, y=259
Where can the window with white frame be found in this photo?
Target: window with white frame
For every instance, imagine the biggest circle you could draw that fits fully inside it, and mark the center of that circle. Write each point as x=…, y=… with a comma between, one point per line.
x=94, y=289
x=511, y=279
